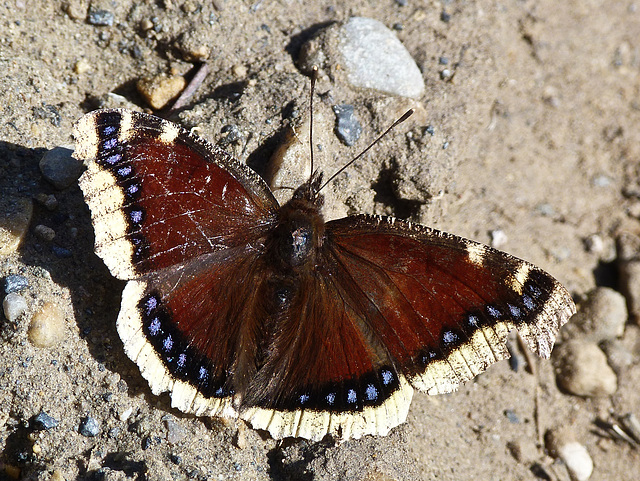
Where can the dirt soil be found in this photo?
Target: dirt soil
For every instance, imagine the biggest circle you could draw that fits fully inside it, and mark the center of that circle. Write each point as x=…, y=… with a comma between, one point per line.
x=536, y=134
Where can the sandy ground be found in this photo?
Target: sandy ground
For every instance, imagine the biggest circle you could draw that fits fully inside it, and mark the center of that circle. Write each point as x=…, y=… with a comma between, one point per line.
x=540, y=123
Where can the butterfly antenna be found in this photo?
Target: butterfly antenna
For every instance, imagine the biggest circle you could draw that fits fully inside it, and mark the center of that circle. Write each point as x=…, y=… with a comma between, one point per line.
x=314, y=79
x=404, y=117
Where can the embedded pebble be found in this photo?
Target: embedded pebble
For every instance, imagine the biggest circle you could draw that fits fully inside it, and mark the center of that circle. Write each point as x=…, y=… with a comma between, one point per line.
x=160, y=90
x=89, y=427
x=628, y=247
x=498, y=238
x=15, y=283
x=374, y=58
x=48, y=201
x=193, y=45
x=60, y=168
x=47, y=326
x=13, y=305
x=601, y=317
x=583, y=369
x=561, y=444
x=82, y=66
x=175, y=432
x=43, y=421
x=348, y=127
x=100, y=17
x=44, y=232
x=15, y=215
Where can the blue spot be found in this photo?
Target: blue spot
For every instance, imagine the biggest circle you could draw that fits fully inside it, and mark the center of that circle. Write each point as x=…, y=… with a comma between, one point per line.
x=535, y=291
x=528, y=302
x=124, y=171
x=154, y=327
x=493, y=312
x=449, y=337
x=515, y=311
x=219, y=392
x=136, y=216
x=108, y=130
x=167, y=343
x=304, y=398
x=351, y=396
x=387, y=377
x=371, y=393
x=331, y=397
x=182, y=360
x=110, y=144
x=133, y=188
x=113, y=159
x=202, y=373
x=473, y=321
x=150, y=305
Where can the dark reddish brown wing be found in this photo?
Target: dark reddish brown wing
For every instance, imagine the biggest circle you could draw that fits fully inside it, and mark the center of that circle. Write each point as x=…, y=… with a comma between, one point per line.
x=325, y=371
x=160, y=196
x=193, y=330
x=441, y=305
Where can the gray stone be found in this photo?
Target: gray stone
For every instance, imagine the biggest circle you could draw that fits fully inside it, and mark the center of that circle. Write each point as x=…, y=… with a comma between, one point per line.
x=601, y=317
x=583, y=369
x=15, y=283
x=59, y=168
x=43, y=421
x=348, y=128
x=14, y=305
x=89, y=427
x=365, y=54
x=374, y=58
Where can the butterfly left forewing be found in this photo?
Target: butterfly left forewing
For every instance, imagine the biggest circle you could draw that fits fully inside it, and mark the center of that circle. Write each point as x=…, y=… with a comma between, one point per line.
x=159, y=195
x=444, y=305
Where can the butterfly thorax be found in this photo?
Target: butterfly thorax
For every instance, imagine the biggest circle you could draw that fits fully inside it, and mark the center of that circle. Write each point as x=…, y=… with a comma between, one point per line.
x=300, y=231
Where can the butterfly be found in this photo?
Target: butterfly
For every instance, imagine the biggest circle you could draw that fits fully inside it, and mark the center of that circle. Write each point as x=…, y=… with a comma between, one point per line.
x=244, y=308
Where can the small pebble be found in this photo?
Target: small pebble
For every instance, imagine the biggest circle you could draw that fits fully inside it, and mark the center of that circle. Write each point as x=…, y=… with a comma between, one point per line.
x=562, y=444
x=60, y=168
x=498, y=238
x=175, y=432
x=15, y=215
x=15, y=283
x=231, y=134
x=146, y=24
x=49, y=201
x=100, y=17
x=193, y=45
x=44, y=232
x=89, y=427
x=601, y=317
x=47, y=326
x=348, y=128
x=124, y=415
x=583, y=369
x=374, y=58
x=43, y=421
x=81, y=67
x=14, y=305
x=160, y=90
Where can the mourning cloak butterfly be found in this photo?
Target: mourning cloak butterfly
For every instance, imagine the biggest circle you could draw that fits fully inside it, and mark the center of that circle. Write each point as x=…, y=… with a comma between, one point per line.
x=244, y=308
